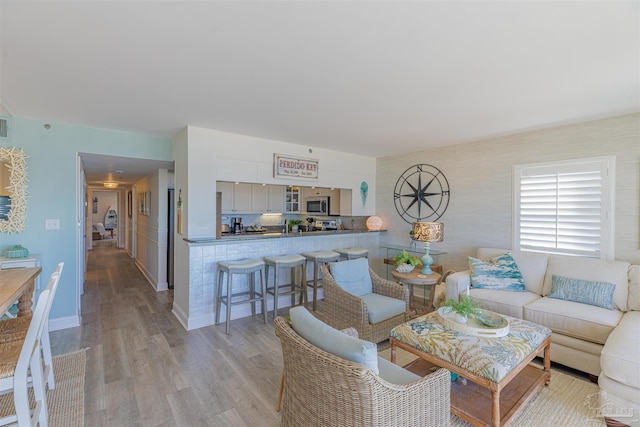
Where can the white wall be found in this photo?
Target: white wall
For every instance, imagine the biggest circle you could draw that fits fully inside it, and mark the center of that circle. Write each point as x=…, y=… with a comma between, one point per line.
x=151, y=231
x=480, y=178
x=106, y=199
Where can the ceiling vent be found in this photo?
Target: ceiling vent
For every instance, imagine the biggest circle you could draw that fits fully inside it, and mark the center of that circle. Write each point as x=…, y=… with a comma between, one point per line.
x=4, y=129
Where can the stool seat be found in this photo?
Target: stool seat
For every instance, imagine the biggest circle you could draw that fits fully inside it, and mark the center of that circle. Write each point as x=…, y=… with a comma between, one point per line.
x=321, y=255
x=242, y=266
x=294, y=263
x=353, y=253
x=318, y=258
x=284, y=260
x=245, y=266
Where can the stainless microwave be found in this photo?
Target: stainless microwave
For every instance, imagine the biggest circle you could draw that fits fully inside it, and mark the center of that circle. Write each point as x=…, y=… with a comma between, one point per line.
x=318, y=205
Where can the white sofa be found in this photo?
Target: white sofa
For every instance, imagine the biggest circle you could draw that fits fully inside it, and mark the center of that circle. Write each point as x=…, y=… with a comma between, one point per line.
x=599, y=341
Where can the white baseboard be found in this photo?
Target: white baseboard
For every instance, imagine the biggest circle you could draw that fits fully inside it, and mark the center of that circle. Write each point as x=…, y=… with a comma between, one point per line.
x=195, y=322
x=64, y=323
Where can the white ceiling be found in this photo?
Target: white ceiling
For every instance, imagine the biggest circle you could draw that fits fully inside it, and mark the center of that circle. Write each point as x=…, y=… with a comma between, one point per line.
x=361, y=76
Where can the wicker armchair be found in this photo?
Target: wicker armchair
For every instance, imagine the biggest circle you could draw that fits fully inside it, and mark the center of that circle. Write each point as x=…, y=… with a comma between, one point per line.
x=343, y=310
x=324, y=390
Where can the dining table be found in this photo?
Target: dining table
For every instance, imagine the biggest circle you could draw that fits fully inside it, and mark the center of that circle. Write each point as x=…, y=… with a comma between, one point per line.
x=17, y=284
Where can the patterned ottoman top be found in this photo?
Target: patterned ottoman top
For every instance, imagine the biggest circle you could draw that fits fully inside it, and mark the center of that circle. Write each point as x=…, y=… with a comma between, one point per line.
x=491, y=358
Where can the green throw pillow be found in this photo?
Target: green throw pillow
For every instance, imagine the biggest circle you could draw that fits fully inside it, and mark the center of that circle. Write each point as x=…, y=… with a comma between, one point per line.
x=501, y=273
x=599, y=294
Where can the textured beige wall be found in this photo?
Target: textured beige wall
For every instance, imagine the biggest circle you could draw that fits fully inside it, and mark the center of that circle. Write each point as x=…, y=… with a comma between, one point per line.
x=480, y=178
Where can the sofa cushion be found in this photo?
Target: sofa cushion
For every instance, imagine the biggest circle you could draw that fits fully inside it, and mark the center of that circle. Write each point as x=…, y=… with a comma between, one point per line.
x=597, y=270
x=504, y=302
x=500, y=273
x=589, y=292
x=332, y=340
x=633, y=302
x=533, y=266
x=619, y=358
x=395, y=374
x=381, y=307
x=353, y=276
x=573, y=319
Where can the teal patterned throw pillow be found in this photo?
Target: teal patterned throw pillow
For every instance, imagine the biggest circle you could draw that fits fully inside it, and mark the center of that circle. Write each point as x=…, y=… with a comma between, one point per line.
x=501, y=273
x=599, y=294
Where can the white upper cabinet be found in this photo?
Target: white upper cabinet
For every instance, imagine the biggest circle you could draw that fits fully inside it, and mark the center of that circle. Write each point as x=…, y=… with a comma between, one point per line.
x=236, y=198
x=267, y=198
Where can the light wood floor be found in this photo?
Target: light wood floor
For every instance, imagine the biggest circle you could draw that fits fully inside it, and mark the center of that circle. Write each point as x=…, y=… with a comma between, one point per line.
x=144, y=369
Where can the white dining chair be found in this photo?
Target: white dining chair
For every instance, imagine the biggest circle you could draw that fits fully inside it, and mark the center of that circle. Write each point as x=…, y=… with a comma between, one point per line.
x=20, y=362
x=16, y=329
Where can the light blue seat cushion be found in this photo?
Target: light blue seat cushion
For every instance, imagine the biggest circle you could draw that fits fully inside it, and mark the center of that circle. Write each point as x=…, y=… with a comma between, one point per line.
x=353, y=276
x=332, y=340
x=395, y=374
x=381, y=307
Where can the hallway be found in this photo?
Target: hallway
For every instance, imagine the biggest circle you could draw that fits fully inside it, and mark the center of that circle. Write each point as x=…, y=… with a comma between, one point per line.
x=145, y=369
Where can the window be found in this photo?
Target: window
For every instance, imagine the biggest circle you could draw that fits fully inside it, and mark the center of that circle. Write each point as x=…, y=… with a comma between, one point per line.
x=565, y=207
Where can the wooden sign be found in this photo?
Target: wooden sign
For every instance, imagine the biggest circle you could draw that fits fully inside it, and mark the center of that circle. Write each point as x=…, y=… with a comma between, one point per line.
x=288, y=166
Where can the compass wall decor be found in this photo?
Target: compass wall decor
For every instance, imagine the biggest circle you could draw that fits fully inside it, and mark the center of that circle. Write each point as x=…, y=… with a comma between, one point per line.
x=421, y=193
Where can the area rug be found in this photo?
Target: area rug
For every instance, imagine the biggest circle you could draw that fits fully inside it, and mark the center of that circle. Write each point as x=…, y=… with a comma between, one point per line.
x=567, y=401
x=66, y=402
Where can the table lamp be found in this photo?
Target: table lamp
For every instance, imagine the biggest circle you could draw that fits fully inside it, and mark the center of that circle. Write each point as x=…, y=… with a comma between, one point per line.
x=427, y=232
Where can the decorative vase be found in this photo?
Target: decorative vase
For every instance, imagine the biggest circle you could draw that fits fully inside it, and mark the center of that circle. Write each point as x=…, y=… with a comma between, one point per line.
x=294, y=228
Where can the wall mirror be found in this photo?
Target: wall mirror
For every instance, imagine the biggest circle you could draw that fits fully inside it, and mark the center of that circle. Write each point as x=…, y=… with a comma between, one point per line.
x=13, y=189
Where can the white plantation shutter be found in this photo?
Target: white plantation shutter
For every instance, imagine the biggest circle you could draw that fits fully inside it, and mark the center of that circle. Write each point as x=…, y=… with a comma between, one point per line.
x=565, y=207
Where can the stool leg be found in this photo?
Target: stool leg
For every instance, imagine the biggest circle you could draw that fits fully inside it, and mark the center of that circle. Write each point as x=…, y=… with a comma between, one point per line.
x=252, y=293
x=292, y=280
x=315, y=283
x=304, y=297
x=228, y=303
x=219, y=295
x=275, y=291
x=263, y=290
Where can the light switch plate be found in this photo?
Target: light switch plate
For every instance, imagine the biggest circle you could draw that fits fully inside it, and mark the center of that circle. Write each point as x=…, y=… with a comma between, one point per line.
x=52, y=224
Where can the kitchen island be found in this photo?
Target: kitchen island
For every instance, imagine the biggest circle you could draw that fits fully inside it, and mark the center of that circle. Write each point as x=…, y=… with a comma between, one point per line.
x=205, y=253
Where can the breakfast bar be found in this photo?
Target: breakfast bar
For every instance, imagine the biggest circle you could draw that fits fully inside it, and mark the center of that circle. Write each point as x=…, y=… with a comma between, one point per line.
x=206, y=253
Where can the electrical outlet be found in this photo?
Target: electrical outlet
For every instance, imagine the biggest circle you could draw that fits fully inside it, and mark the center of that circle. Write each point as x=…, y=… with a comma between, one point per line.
x=52, y=224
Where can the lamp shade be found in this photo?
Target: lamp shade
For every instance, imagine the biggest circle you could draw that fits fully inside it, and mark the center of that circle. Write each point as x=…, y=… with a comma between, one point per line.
x=428, y=231
x=374, y=223
x=110, y=185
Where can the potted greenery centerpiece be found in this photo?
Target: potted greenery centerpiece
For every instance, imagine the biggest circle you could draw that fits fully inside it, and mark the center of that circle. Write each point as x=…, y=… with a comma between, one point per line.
x=463, y=308
x=294, y=223
x=404, y=262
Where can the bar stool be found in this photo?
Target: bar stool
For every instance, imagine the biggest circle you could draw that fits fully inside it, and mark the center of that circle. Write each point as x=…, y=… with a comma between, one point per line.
x=318, y=258
x=353, y=253
x=292, y=262
x=250, y=267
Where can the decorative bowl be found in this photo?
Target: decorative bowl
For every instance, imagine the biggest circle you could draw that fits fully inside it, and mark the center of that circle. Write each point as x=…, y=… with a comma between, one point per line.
x=404, y=268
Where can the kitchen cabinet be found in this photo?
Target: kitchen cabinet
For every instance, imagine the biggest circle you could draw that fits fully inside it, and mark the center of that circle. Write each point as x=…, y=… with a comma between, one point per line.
x=292, y=200
x=267, y=198
x=334, y=202
x=346, y=208
x=236, y=198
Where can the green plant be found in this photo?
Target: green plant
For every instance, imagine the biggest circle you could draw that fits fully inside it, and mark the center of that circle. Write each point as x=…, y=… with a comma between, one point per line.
x=294, y=223
x=465, y=307
x=405, y=258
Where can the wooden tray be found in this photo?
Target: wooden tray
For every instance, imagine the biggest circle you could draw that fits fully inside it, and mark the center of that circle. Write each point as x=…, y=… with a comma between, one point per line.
x=474, y=327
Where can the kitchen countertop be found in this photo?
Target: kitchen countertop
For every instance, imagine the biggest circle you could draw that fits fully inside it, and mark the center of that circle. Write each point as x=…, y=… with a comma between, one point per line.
x=274, y=235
